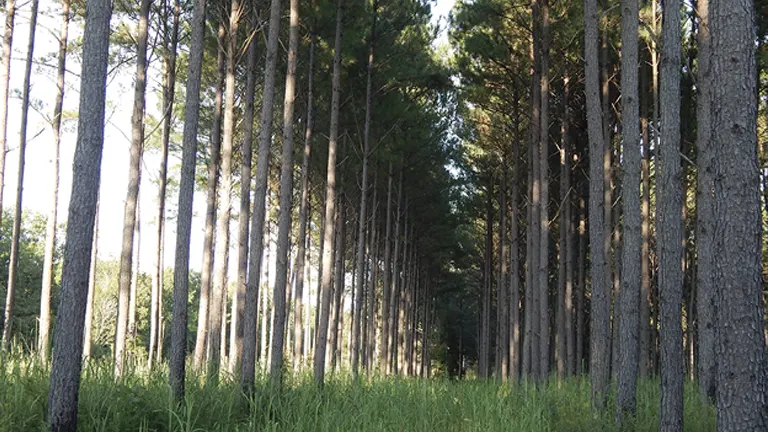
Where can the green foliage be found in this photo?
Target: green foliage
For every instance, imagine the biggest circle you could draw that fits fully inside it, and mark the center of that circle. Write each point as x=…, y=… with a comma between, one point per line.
x=30, y=275
x=141, y=401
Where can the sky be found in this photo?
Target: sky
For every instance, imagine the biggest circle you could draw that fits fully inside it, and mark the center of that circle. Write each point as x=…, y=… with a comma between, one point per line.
x=38, y=178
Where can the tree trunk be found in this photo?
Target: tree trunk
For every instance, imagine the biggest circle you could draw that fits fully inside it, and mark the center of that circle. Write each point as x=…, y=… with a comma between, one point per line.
x=13, y=264
x=330, y=205
x=225, y=196
x=337, y=309
x=705, y=284
x=502, y=304
x=645, y=232
x=70, y=317
x=286, y=199
x=740, y=347
x=169, y=86
x=386, y=281
x=564, y=355
x=259, y=202
x=543, y=295
x=238, y=299
x=600, y=329
x=134, y=273
x=630, y=182
x=514, y=252
x=394, y=290
x=670, y=225
x=298, y=339
x=132, y=195
x=179, y=326
x=43, y=341
x=581, y=289
x=210, y=210
x=5, y=76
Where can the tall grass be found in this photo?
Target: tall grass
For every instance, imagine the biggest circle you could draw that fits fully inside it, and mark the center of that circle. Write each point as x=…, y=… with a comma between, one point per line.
x=141, y=402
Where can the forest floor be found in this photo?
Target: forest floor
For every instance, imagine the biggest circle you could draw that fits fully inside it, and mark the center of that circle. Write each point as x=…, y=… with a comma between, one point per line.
x=141, y=402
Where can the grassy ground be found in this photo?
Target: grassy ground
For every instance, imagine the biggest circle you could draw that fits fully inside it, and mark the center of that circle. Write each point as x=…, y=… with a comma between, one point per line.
x=141, y=402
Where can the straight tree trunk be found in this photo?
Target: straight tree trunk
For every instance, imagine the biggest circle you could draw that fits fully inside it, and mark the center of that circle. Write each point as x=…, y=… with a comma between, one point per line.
x=179, y=325
x=298, y=339
x=645, y=232
x=631, y=246
x=485, y=293
x=356, y=346
x=543, y=295
x=5, y=76
x=210, y=210
x=600, y=329
x=386, y=292
x=238, y=299
x=70, y=318
x=581, y=289
x=705, y=265
x=219, y=292
x=740, y=346
x=43, y=341
x=374, y=280
x=514, y=252
x=330, y=205
x=247, y=377
x=670, y=225
x=337, y=310
x=132, y=195
x=502, y=304
x=14, y=258
x=134, y=273
x=564, y=357
x=88, y=330
x=286, y=199
x=394, y=291
x=169, y=90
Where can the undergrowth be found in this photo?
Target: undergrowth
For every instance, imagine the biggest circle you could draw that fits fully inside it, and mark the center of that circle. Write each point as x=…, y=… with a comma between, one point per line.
x=141, y=401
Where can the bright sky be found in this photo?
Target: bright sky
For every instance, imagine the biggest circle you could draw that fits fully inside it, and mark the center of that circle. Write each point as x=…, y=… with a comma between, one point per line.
x=38, y=179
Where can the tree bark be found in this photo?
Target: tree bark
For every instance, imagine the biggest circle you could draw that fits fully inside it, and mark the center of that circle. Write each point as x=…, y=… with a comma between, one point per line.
x=43, y=341
x=132, y=195
x=564, y=296
x=514, y=252
x=645, y=232
x=330, y=204
x=169, y=91
x=394, y=290
x=705, y=265
x=298, y=339
x=600, y=336
x=70, y=317
x=13, y=264
x=740, y=346
x=630, y=182
x=247, y=377
x=5, y=76
x=286, y=198
x=543, y=295
x=88, y=330
x=179, y=326
x=670, y=225
x=210, y=210
x=386, y=281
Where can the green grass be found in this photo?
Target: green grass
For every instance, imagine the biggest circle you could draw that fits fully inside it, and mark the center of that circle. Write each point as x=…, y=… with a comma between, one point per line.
x=141, y=402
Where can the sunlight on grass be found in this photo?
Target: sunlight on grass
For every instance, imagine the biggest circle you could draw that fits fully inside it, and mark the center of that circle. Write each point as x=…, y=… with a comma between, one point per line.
x=141, y=401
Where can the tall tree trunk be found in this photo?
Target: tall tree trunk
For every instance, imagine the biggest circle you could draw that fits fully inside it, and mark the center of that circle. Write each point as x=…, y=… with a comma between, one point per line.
x=600, y=329
x=70, y=317
x=210, y=209
x=581, y=288
x=330, y=205
x=386, y=292
x=132, y=195
x=630, y=182
x=373, y=245
x=43, y=341
x=740, y=347
x=514, y=252
x=259, y=201
x=670, y=225
x=5, y=76
x=705, y=266
x=337, y=309
x=169, y=90
x=13, y=264
x=394, y=292
x=645, y=232
x=286, y=198
x=134, y=273
x=225, y=195
x=298, y=339
x=564, y=354
x=544, y=212
x=502, y=304
x=179, y=328
x=363, y=198
x=483, y=343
